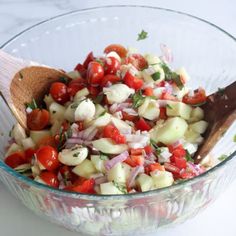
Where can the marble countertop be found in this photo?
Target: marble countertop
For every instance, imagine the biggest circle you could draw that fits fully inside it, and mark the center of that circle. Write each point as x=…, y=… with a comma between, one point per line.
x=16, y=15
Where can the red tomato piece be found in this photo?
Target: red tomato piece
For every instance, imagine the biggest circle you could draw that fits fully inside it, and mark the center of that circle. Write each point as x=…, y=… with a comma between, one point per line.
x=136, y=151
x=29, y=153
x=133, y=81
x=111, y=66
x=180, y=162
x=152, y=167
x=95, y=73
x=163, y=114
x=168, y=96
x=148, y=91
x=59, y=92
x=138, y=61
x=187, y=175
x=47, y=156
x=119, y=49
x=93, y=91
x=49, y=178
x=15, y=159
x=148, y=149
x=109, y=78
x=38, y=119
x=142, y=125
x=171, y=168
x=88, y=59
x=80, y=125
x=47, y=141
x=198, y=97
x=135, y=160
x=80, y=68
x=178, y=151
x=86, y=187
x=75, y=85
x=110, y=131
x=127, y=116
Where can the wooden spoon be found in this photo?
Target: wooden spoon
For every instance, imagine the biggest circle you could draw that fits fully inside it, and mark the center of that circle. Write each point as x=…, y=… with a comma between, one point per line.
x=22, y=81
x=220, y=113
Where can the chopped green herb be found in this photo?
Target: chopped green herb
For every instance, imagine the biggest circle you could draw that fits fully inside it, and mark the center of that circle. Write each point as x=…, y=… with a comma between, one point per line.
x=143, y=35
x=74, y=105
x=138, y=99
x=222, y=157
x=156, y=76
x=188, y=156
x=53, y=112
x=99, y=98
x=120, y=186
x=33, y=105
x=64, y=80
x=103, y=113
x=177, y=80
x=234, y=139
x=76, y=154
x=154, y=145
x=103, y=157
x=61, y=140
x=169, y=106
x=221, y=91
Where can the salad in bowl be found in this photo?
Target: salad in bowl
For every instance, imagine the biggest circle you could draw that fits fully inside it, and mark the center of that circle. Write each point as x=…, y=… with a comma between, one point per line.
x=120, y=123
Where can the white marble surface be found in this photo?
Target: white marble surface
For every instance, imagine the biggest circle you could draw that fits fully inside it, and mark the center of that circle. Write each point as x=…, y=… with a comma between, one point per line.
x=16, y=15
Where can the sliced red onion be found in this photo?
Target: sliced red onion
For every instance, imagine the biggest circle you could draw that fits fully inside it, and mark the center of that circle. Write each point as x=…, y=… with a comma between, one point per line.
x=133, y=174
x=89, y=133
x=113, y=107
x=100, y=180
x=119, y=106
x=130, y=111
x=194, y=168
x=167, y=55
x=169, y=88
x=120, y=158
x=150, y=157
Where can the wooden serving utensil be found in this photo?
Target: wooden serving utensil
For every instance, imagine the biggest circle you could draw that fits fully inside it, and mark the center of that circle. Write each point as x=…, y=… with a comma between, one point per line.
x=220, y=113
x=22, y=81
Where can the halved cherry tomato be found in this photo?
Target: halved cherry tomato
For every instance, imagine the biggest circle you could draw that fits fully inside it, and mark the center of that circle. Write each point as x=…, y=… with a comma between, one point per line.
x=148, y=91
x=163, y=114
x=47, y=156
x=47, y=141
x=152, y=167
x=88, y=59
x=148, y=149
x=59, y=92
x=111, y=66
x=119, y=49
x=198, y=97
x=171, y=168
x=29, y=153
x=110, y=131
x=178, y=151
x=133, y=81
x=138, y=61
x=142, y=125
x=38, y=119
x=95, y=73
x=135, y=160
x=75, y=85
x=180, y=162
x=86, y=187
x=127, y=116
x=80, y=68
x=15, y=159
x=49, y=178
x=109, y=78
x=93, y=91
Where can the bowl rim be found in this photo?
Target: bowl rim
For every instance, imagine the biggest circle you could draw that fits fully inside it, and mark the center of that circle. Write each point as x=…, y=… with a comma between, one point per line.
x=129, y=196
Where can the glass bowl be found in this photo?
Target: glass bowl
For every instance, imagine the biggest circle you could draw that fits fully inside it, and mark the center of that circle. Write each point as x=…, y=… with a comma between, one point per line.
x=208, y=53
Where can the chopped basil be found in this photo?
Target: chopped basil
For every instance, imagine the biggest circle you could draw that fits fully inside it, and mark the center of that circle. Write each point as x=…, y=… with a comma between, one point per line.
x=221, y=91
x=156, y=76
x=120, y=186
x=142, y=35
x=33, y=105
x=138, y=99
x=99, y=98
x=222, y=157
x=234, y=139
x=169, y=106
x=76, y=154
x=188, y=157
x=64, y=80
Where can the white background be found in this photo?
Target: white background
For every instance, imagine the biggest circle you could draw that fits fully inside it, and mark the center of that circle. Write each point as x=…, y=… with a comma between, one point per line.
x=219, y=219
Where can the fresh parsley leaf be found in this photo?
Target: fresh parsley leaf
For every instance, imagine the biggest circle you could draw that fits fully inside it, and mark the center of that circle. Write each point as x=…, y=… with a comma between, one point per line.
x=138, y=99
x=142, y=35
x=222, y=157
x=221, y=91
x=33, y=105
x=103, y=113
x=64, y=80
x=155, y=146
x=76, y=154
x=156, y=76
x=188, y=157
x=120, y=186
x=234, y=139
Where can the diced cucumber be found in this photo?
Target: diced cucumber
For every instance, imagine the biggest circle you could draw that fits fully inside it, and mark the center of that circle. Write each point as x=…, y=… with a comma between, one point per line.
x=28, y=143
x=171, y=131
x=199, y=127
x=196, y=114
x=178, y=109
x=48, y=100
x=80, y=94
x=149, y=109
x=102, y=120
x=106, y=145
x=38, y=135
x=191, y=136
x=70, y=112
x=121, y=125
x=110, y=188
x=13, y=148
x=127, y=170
x=152, y=59
x=99, y=110
x=98, y=161
x=117, y=173
x=85, y=169
x=145, y=182
x=57, y=112
x=162, y=179
x=183, y=73
x=18, y=133
x=73, y=156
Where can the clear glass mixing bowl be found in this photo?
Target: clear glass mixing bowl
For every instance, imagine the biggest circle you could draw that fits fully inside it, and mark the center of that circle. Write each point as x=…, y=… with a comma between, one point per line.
x=208, y=53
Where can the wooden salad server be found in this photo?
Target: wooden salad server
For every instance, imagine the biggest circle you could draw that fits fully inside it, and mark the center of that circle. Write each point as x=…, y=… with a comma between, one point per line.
x=22, y=81
x=220, y=113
